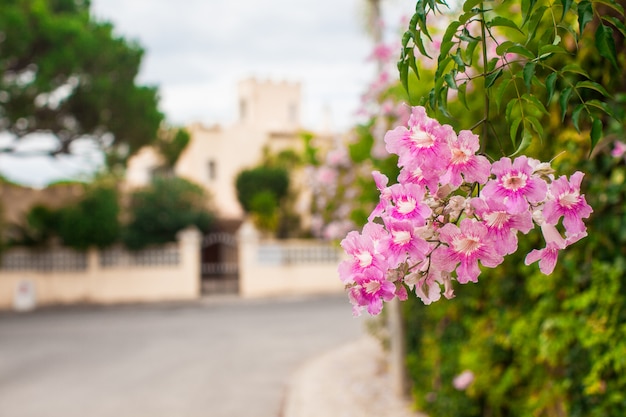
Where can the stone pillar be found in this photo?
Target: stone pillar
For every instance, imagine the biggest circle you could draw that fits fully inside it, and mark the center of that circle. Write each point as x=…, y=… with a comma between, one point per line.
x=189, y=241
x=248, y=237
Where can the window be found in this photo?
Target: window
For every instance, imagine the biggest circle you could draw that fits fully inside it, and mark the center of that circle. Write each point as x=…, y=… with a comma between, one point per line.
x=243, y=108
x=293, y=113
x=212, y=170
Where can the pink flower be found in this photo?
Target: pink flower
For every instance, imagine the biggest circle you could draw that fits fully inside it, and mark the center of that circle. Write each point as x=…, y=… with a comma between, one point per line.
x=363, y=255
x=474, y=168
x=402, y=243
x=466, y=245
x=515, y=185
x=413, y=173
x=547, y=256
x=327, y=176
x=502, y=225
x=463, y=380
x=619, y=149
x=381, y=181
x=565, y=200
x=425, y=141
x=370, y=289
x=407, y=204
x=383, y=53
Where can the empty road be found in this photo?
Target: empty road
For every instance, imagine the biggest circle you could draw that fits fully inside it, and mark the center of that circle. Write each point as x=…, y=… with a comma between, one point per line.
x=223, y=357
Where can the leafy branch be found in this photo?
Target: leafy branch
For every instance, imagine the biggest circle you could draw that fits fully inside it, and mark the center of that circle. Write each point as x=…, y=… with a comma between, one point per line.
x=524, y=59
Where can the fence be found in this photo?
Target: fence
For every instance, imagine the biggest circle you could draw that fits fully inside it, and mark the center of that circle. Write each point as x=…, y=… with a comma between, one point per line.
x=286, y=267
x=61, y=276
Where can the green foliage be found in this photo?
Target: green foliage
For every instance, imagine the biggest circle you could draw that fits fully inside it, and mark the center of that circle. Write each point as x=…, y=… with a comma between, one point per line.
x=537, y=345
x=93, y=221
x=171, y=143
x=160, y=211
x=262, y=179
x=264, y=207
x=547, y=85
x=63, y=73
x=41, y=225
x=520, y=59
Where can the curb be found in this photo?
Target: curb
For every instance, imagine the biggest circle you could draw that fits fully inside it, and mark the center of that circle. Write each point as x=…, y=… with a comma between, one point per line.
x=352, y=380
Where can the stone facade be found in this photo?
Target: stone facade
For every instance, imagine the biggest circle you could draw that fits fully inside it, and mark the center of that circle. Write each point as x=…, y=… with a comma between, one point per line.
x=269, y=118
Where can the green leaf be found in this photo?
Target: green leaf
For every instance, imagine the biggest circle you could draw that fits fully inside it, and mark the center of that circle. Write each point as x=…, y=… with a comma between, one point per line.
x=619, y=25
x=606, y=44
x=527, y=138
x=491, y=78
x=467, y=16
x=534, y=102
x=458, y=60
x=513, y=130
x=533, y=22
x=596, y=132
x=521, y=50
x=613, y=5
x=502, y=89
x=563, y=100
x=536, y=125
x=469, y=51
x=527, y=8
x=446, y=41
x=601, y=105
x=585, y=15
x=550, y=84
x=576, y=69
x=504, y=47
x=529, y=72
x=442, y=66
x=547, y=50
x=576, y=116
x=450, y=80
x=593, y=86
x=462, y=94
x=509, y=109
x=567, y=4
x=503, y=21
x=470, y=4
x=403, y=69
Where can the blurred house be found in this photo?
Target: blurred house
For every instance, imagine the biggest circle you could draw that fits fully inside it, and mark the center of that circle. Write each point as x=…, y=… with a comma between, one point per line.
x=269, y=118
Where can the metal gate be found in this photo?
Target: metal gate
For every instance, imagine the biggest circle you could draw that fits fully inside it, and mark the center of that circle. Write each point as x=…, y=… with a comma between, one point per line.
x=220, y=266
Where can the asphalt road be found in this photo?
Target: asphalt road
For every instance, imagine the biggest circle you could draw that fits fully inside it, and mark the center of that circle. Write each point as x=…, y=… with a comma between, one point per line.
x=215, y=357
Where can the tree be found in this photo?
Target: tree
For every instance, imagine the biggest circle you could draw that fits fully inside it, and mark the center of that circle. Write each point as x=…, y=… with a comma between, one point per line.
x=261, y=192
x=66, y=74
x=262, y=179
x=159, y=211
x=171, y=142
x=93, y=220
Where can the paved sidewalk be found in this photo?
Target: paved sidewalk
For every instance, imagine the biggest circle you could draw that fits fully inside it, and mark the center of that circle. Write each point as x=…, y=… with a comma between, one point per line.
x=351, y=381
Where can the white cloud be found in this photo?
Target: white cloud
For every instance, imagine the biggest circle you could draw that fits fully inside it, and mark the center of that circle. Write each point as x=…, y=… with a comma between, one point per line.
x=197, y=51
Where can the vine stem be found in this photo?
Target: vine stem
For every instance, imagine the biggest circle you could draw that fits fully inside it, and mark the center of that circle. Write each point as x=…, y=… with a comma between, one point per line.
x=483, y=142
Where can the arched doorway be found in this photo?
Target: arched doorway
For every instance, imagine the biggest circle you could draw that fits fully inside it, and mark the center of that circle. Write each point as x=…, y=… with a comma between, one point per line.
x=220, y=263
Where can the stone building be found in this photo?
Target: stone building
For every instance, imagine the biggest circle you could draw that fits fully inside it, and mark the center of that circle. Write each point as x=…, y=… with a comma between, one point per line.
x=269, y=118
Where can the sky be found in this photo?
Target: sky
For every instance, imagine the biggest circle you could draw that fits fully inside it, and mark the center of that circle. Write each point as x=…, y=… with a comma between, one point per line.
x=197, y=50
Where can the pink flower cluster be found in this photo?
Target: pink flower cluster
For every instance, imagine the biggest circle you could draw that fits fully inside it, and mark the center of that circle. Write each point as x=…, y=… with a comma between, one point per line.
x=450, y=210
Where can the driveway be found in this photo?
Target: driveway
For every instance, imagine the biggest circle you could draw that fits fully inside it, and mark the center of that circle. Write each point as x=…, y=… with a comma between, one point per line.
x=222, y=357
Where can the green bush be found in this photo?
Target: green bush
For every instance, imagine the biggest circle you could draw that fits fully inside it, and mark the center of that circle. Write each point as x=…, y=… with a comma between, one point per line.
x=262, y=179
x=160, y=211
x=537, y=345
x=93, y=221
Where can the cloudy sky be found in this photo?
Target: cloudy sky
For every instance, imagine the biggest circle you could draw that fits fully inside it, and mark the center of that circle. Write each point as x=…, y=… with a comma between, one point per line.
x=197, y=50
